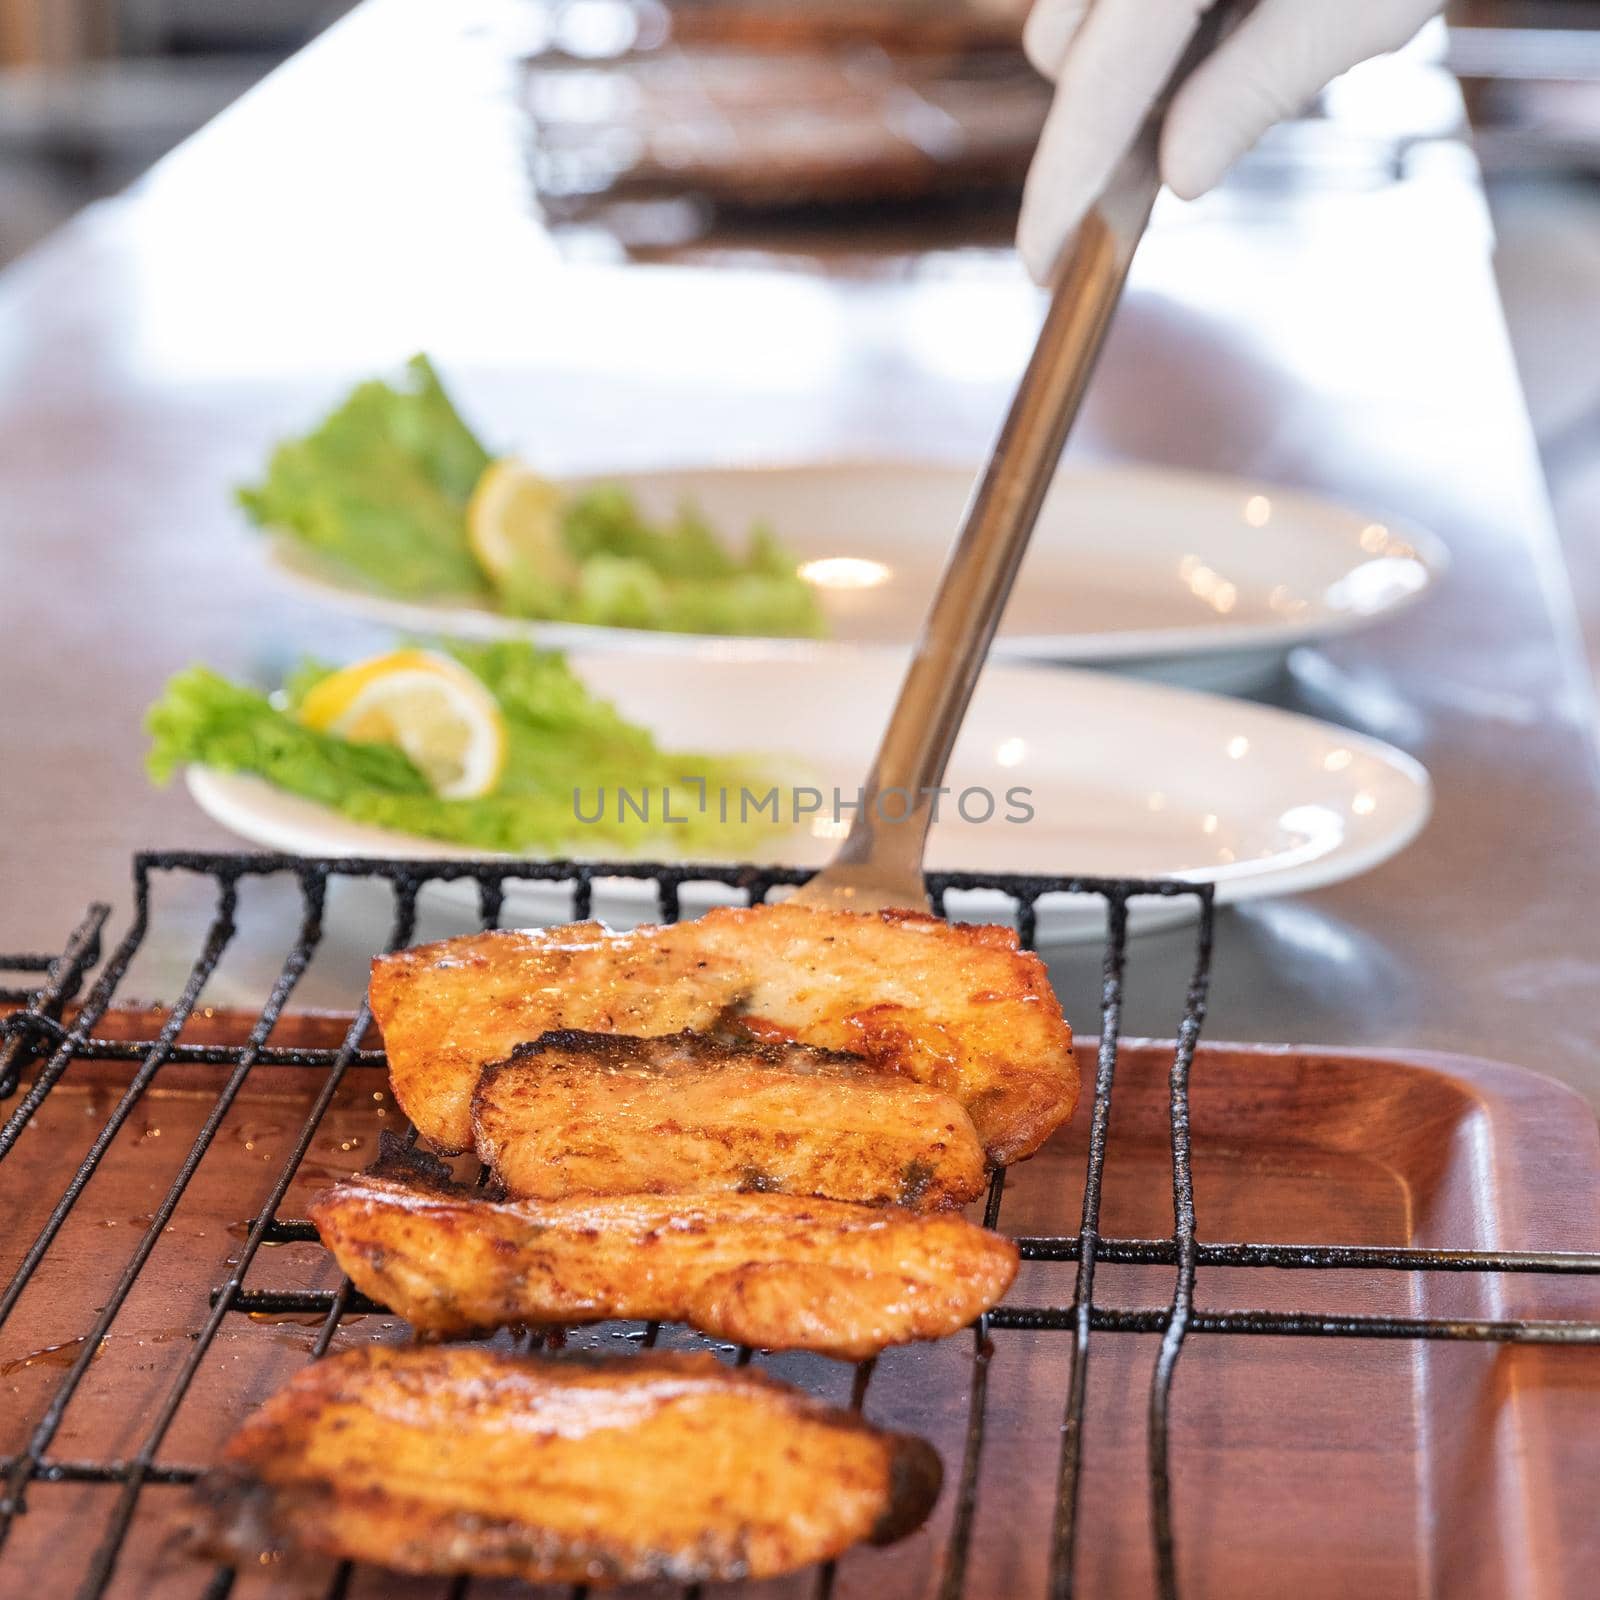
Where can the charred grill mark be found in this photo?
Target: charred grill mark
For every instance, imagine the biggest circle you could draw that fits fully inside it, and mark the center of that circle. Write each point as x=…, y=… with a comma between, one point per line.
x=404, y=1163
x=914, y=1184
x=665, y=1052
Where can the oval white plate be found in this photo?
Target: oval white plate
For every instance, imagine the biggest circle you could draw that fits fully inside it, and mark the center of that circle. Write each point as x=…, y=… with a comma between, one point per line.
x=1128, y=564
x=1125, y=779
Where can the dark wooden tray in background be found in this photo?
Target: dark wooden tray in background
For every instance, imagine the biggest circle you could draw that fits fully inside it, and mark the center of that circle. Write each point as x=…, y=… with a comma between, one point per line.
x=692, y=123
x=1312, y=1467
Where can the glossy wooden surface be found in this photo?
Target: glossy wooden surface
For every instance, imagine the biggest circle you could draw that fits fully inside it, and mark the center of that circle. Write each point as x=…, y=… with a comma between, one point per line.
x=1322, y=1468
x=1331, y=323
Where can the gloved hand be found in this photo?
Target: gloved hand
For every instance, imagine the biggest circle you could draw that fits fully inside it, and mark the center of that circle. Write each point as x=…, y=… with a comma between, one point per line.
x=1109, y=59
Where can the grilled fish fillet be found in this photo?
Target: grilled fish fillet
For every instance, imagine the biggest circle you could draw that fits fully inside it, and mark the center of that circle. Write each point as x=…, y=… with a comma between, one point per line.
x=456, y=1459
x=955, y=1006
x=761, y=1269
x=598, y=1113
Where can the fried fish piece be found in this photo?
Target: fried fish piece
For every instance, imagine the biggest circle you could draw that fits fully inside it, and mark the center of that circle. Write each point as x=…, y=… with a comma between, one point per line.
x=457, y=1459
x=772, y=1270
x=956, y=1006
x=602, y=1113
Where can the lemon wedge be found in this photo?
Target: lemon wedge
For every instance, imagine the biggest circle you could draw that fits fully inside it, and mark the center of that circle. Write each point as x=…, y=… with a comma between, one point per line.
x=431, y=707
x=514, y=525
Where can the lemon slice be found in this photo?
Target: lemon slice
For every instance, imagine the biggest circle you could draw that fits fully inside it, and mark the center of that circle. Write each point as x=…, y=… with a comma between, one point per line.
x=431, y=707
x=514, y=525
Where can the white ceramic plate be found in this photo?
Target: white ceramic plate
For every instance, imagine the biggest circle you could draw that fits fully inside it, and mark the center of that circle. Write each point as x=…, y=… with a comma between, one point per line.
x=1124, y=779
x=1128, y=564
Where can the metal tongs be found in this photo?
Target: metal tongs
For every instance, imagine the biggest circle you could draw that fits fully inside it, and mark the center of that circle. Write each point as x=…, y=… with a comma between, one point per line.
x=879, y=865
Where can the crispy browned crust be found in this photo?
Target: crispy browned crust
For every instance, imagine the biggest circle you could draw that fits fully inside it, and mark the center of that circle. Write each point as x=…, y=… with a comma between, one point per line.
x=955, y=1006
x=597, y=1113
x=448, y=1009
x=770, y=1270
x=456, y=1459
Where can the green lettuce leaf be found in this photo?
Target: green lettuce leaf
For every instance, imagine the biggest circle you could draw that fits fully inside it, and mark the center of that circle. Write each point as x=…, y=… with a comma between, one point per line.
x=560, y=738
x=381, y=487
x=680, y=576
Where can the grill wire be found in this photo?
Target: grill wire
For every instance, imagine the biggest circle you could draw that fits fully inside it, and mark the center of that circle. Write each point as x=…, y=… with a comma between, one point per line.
x=36, y=1033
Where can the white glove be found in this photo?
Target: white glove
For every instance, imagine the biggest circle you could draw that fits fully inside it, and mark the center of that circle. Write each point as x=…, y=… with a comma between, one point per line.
x=1109, y=59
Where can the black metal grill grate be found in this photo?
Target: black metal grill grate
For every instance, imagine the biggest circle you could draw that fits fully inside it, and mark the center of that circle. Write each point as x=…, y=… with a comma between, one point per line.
x=35, y=1036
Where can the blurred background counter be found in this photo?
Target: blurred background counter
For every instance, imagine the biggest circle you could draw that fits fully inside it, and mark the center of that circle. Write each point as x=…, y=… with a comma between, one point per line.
x=1329, y=319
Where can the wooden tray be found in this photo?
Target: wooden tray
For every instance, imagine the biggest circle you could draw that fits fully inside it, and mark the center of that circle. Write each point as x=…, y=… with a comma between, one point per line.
x=1306, y=1467
x=778, y=132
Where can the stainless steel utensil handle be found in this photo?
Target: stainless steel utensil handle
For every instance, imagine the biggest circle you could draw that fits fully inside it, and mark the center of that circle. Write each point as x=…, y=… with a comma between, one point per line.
x=880, y=861
x=889, y=830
